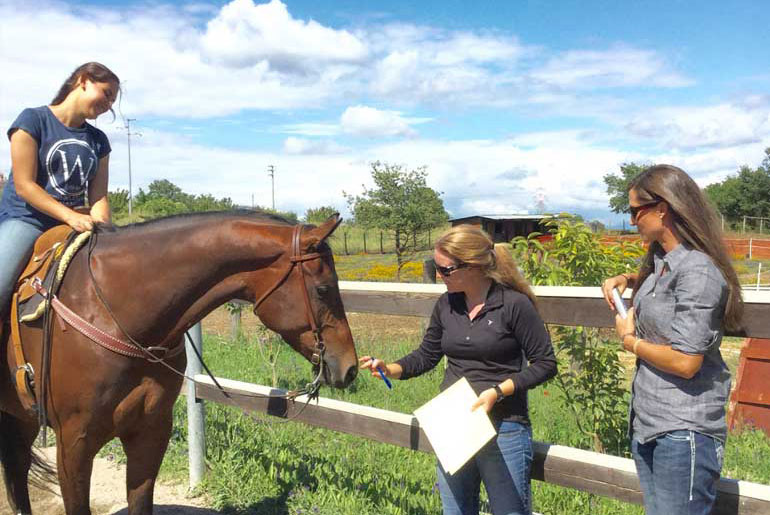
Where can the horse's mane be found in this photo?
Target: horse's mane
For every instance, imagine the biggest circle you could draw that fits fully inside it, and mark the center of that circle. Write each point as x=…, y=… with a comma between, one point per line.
x=168, y=222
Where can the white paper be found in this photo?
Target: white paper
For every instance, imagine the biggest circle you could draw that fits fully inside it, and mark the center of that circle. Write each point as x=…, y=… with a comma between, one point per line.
x=454, y=431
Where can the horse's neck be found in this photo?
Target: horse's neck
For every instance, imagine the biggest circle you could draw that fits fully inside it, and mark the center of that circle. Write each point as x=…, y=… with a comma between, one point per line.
x=181, y=274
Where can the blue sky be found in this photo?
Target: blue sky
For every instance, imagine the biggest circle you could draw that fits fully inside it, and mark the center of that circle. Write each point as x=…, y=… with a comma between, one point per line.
x=509, y=105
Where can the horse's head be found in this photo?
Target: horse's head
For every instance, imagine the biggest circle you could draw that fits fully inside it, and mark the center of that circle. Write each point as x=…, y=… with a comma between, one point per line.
x=304, y=304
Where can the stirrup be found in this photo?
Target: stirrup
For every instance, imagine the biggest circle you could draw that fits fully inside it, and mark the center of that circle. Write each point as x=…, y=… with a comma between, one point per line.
x=25, y=384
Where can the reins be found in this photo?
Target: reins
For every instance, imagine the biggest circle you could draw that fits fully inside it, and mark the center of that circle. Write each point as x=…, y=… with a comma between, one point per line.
x=296, y=260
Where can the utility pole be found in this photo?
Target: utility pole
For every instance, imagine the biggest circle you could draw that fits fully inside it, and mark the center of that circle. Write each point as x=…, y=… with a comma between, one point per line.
x=128, y=135
x=271, y=173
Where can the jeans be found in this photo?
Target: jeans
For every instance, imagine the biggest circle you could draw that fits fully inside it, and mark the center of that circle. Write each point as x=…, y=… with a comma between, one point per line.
x=17, y=238
x=678, y=472
x=504, y=464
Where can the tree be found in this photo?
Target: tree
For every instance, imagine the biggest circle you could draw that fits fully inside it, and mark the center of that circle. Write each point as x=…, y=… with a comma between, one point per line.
x=743, y=194
x=401, y=203
x=617, y=185
x=118, y=201
x=592, y=384
x=316, y=215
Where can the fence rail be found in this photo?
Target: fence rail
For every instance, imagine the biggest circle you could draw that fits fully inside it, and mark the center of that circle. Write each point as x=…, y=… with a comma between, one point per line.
x=600, y=474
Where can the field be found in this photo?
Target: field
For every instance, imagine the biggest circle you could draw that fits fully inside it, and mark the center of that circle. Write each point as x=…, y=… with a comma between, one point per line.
x=263, y=465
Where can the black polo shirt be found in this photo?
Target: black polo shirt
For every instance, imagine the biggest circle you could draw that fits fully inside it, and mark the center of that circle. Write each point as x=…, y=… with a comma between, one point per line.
x=506, y=340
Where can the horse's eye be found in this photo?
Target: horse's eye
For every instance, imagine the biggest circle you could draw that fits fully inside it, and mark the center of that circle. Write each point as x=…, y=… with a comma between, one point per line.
x=322, y=290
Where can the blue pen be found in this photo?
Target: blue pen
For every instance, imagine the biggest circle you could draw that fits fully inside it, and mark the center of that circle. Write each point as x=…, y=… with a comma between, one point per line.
x=384, y=377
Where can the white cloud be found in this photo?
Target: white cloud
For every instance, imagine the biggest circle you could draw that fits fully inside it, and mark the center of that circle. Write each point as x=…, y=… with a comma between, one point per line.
x=721, y=125
x=616, y=67
x=244, y=34
x=373, y=123
x=301, y=146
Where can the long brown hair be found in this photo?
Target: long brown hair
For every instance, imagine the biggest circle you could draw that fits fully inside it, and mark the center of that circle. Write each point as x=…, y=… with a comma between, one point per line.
x=95, y=72
x=472, y=245
x=695, y=222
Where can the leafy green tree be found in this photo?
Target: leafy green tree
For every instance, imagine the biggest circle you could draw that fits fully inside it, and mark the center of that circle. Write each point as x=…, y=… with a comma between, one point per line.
x=743, y=194
x=617, y=185
x=208, y=202
x=316, y=215
x=592, y=378
x=402, y=203
x=118, y=201
x=160, y=206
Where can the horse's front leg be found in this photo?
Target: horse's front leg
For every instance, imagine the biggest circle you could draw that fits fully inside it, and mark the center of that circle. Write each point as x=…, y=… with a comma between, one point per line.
x=76, y=446
x=144, y=449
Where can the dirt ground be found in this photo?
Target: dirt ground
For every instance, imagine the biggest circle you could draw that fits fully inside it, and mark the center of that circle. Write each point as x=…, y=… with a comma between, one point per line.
x=108, y=494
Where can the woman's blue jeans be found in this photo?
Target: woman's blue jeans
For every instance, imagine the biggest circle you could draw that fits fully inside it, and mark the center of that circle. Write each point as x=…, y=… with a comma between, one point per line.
x=17, y=238
x=504, y=465
x=678, y=472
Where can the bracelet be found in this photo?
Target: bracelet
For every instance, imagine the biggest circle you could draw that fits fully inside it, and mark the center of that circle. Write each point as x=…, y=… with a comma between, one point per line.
x=633, y=349
x=499, y=392
x=626, y=277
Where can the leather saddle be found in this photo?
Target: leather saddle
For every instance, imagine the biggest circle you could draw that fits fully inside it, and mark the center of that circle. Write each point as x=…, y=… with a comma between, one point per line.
x=29, y=305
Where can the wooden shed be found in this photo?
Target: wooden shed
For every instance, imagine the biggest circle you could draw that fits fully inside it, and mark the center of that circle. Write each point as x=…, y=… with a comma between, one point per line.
x=503, y=228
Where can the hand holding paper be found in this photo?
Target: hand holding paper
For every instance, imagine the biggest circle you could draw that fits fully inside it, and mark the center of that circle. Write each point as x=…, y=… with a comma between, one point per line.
x=455, y=431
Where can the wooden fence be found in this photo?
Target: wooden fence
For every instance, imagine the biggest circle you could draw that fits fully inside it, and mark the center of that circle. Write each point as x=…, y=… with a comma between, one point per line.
x=592, y=472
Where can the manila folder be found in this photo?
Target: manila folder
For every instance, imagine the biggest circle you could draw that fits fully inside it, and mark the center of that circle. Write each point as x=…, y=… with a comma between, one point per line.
x=454, y=431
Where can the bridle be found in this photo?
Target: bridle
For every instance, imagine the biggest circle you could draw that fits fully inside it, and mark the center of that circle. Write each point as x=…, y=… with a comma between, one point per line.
x=296, y=261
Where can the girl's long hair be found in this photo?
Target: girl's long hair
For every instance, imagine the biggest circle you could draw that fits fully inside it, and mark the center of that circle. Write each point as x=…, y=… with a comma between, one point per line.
x=695, y=222
x=471, y=245
x=95, y=72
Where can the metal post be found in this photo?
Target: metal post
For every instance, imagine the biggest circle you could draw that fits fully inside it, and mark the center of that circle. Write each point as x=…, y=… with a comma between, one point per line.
x=751, y=240
x=271, y=173
x=760, y=225
x=744, y=225
x=130, y=191
x=196, y=414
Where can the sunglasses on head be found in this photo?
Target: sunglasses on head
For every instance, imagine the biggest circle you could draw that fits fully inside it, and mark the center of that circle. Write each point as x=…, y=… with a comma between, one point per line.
x=446, y=271
x=634, y=210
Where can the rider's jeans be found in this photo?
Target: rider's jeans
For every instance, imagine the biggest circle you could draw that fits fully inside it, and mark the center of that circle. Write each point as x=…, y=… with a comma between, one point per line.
x=17, y=238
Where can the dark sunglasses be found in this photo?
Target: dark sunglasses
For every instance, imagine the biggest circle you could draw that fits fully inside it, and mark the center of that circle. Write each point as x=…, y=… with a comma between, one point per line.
x=446, y=271
x=634, y=210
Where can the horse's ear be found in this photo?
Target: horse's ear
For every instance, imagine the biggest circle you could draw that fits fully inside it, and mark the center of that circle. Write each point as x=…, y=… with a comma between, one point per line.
x=323, y=231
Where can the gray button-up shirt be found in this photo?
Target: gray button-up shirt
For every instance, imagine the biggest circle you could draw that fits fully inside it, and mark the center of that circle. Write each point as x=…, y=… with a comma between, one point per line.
x=681, y=304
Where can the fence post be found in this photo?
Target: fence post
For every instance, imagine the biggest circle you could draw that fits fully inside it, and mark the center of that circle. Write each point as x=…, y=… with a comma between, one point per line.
x=751, y=240
x=760, y=225
x=429, y=271
x=196, y=414
x=382, y=251
x=744, y=225
x=345, y=236
x=235, y=323
x=364, y=242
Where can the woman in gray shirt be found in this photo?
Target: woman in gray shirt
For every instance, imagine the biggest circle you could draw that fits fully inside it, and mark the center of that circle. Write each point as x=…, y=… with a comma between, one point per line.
x=685, y=294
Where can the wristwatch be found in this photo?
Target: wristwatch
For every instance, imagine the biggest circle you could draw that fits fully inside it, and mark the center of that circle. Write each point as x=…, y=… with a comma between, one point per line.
x=500, y=394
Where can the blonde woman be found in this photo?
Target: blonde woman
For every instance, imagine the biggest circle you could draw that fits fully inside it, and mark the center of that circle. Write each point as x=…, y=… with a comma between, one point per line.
x=488, y=327
x=685, y=294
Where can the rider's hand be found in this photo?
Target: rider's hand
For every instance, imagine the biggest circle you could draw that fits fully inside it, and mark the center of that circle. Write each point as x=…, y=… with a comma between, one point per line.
x=79, y=222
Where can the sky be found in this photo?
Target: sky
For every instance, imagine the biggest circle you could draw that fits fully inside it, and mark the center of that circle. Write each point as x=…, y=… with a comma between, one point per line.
x=512, y=106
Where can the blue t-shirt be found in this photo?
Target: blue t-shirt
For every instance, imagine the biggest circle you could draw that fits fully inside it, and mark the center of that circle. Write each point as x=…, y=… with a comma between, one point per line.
x=67, y=160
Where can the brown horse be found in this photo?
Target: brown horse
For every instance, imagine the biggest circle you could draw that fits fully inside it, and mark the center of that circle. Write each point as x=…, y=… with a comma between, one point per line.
x=153, y=282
